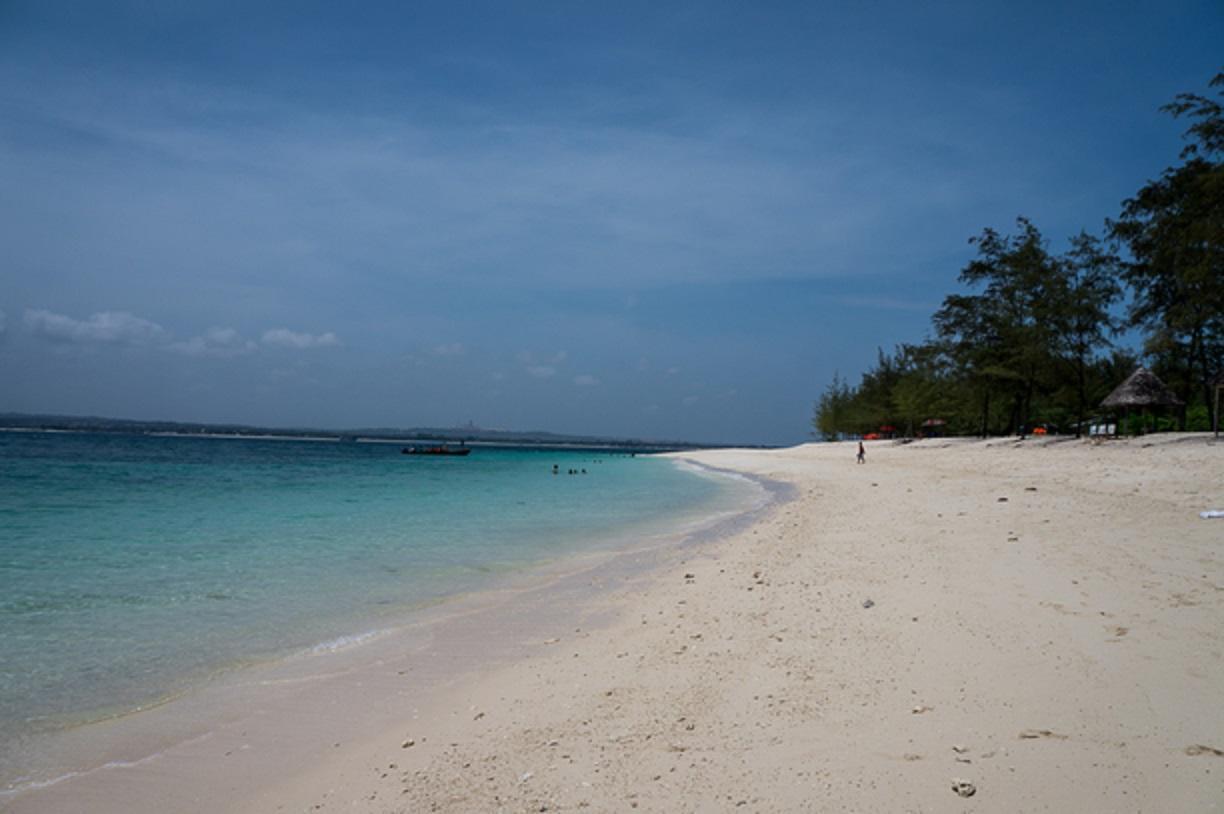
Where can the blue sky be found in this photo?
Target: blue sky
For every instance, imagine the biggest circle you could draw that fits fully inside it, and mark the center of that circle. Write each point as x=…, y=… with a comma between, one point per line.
x=632, y=219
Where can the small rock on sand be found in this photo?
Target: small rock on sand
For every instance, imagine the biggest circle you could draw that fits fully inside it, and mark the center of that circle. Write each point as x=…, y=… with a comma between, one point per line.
x=867, y=603
x=408, y=743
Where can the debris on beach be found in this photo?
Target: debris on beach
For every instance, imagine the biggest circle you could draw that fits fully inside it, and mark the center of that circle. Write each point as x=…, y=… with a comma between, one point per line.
x=1199, y=749
x=921, y=708
x=868, y=603
x=1030, y=734
x=963, y=787
x=408, y=743
x=1001, y=500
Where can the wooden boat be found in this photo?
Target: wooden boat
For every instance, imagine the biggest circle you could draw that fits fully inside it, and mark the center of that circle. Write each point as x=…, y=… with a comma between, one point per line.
x=439, y=449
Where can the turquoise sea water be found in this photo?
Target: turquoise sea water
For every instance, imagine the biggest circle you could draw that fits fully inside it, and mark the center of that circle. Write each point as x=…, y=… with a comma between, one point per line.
x=132, y=567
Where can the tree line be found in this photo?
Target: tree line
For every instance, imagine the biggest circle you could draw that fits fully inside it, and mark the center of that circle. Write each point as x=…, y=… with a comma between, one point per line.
x=1030, y=344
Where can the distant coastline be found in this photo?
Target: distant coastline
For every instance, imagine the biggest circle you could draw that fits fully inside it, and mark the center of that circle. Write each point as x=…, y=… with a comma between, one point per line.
x=476, y=436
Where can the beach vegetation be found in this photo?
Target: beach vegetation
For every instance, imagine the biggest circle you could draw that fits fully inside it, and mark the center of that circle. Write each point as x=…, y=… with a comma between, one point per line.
x=1029, y=341
x=1174, y=230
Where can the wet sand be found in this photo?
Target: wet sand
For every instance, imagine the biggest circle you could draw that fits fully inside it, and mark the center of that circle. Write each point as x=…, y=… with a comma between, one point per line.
x=1037, y=624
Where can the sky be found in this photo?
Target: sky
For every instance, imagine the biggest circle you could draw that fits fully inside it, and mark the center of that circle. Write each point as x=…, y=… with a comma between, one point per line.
x=650, y=220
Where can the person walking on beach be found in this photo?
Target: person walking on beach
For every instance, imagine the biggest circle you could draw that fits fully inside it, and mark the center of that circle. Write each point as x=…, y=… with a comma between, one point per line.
x=862, y=454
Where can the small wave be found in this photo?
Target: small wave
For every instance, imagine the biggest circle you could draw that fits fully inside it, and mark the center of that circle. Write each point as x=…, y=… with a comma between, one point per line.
x=344, y=642
x=710, y=471
x=23, y=785
x=761, y=496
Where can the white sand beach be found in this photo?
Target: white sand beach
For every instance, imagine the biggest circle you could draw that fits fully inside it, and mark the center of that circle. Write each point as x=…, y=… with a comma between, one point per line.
x=953, y=626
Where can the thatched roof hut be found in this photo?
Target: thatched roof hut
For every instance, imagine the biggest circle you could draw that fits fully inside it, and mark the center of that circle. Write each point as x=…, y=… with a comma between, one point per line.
x=1141, y=389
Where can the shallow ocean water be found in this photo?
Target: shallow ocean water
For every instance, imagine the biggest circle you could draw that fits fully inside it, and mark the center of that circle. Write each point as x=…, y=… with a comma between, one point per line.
x=134, y=567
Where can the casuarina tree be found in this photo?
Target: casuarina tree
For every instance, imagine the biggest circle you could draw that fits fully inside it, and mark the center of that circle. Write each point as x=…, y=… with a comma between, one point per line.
x=1174, y=229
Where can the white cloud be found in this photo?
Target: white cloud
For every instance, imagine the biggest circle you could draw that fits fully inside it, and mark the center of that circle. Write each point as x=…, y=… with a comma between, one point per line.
x=451, y=349
x=222, y=342
x=105, y=327
x=541, y=371
x=285, y=338
x=586, y=380
x=689, y=401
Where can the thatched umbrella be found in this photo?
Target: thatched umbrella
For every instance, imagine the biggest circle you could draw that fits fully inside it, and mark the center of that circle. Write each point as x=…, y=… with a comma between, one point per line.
x=1140, y=390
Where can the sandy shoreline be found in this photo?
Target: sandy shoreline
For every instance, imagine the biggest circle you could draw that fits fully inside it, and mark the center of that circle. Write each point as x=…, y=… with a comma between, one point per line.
x=286, y=712
x=1046, y=623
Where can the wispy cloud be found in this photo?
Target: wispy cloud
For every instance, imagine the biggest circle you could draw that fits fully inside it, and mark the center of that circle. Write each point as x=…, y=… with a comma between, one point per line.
x=542, y=369
x=285, y=338
x=218, y=342
x=741, y=194
x=887, y=303
x=586, y=380
x=104, y=327
x=450, y=349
